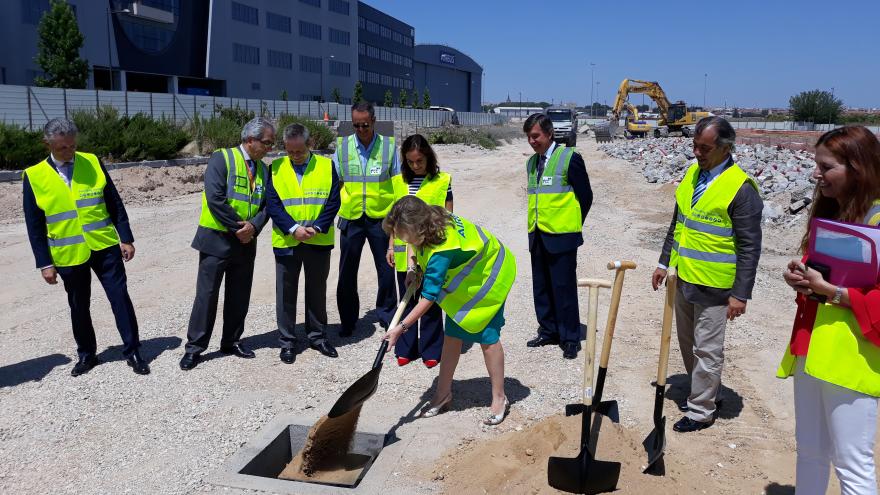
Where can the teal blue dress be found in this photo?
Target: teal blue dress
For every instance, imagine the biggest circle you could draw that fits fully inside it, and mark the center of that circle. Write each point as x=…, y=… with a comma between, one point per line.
x=435, y=275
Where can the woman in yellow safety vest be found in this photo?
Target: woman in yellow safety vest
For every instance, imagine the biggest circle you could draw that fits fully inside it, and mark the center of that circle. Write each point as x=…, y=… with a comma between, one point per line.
x=421, y=177
x=468, y=273
x=834, y=351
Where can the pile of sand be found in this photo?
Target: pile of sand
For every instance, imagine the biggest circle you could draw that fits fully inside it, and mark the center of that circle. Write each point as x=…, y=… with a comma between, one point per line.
x=516, y=462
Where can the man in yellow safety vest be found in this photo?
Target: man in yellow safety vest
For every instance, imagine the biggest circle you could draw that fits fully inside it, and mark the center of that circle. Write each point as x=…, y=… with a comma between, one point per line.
x=77, y=224
x=715, y=242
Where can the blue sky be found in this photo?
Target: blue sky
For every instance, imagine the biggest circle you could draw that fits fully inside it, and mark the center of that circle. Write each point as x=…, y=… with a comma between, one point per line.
x=756, y=53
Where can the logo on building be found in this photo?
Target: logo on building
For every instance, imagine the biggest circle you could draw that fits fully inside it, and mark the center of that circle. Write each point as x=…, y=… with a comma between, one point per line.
x=447, y=58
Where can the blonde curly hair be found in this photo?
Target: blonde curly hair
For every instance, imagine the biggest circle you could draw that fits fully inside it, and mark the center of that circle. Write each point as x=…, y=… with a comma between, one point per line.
x=425, y=223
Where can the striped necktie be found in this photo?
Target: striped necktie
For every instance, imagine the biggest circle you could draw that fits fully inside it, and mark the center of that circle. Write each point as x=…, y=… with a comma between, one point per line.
x=540, y=168
x=702, y=183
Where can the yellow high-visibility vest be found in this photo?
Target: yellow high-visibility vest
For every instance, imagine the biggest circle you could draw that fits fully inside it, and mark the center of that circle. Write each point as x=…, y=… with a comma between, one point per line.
x=553, y=206
x=303, y=201
x=431, y=191
x=77, y=221
x=241, y=194
x=367, y=188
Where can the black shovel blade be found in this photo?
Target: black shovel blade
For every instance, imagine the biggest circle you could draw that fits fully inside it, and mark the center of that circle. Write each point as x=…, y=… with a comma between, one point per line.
x=655, y=445
x=357, y=393
x=582, y=474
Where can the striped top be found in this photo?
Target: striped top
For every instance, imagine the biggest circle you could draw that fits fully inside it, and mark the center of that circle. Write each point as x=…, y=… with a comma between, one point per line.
x=417, y=183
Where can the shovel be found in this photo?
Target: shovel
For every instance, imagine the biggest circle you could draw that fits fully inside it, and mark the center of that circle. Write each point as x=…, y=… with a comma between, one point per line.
x=584, y=474
x=366, y=386
x=655, y=442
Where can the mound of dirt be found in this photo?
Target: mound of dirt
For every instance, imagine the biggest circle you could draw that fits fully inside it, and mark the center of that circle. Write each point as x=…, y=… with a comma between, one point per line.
x=516, y=462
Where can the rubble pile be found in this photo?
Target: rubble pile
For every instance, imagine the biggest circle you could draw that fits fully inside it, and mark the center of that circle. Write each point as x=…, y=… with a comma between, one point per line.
x=782, y=174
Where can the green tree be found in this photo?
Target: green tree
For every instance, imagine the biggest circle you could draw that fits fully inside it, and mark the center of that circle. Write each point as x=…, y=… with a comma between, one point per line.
x=283, y=95
x=58, y=44
x=389, y=99
x=817, y=106
x=426, y=99
x=358, y=94
x=414, y=103
x=642, y=108
x=402, y=98
x=336, y=95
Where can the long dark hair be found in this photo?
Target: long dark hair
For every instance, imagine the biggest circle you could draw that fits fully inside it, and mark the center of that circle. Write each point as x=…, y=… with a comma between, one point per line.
x=857, y=148
x=418, y=142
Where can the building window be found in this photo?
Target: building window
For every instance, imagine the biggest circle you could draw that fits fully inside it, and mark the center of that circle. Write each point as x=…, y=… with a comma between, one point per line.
x=407, y=41
x=385, y=32
x=408, y=83
x=245, y=54
x=277, y=22
x=339, y=6
x=397, y=37
x=362, y=23
x=407, y=62
x=362, y=49
x=245, y=13
x=372, y=27
x=372, y=51
x=309, y=30
x=32, y=10
x=340, y=68
x=255, y=86
x=309, y=64
x=340, y=37
x=313, y=3
x=385, y=56
x=372, y=77
x=281, y=60
x=362, y=75
x=386, y=80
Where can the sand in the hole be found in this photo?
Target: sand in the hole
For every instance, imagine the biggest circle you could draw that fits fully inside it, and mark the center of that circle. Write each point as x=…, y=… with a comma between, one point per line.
x=325, y=457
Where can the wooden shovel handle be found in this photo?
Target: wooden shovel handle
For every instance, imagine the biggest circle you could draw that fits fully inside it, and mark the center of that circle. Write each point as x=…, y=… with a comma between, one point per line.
x=621, y=267
x=590, y=351
x=594, y=282
x=666, y=333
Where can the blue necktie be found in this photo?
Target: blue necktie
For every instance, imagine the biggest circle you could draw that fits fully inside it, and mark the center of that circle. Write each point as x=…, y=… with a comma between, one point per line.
x=65, y=169
x=700, y=188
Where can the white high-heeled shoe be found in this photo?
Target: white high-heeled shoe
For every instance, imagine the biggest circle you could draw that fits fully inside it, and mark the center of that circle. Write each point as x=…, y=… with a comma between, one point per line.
x=438, y=408
x=496, y=419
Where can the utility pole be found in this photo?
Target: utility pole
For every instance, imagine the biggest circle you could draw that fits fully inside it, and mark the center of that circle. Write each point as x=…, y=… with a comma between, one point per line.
x=705, y=81
x=592, y=67
x=520, y=105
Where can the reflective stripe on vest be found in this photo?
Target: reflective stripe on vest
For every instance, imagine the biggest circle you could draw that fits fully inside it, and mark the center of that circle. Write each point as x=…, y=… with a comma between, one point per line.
x=431, y=191
x=303, y=200
x=704, y=247
x=553, y=206
x=77, y=221
x=473, y=292
x=839, y=353
x=239, y=195
x=367, y=187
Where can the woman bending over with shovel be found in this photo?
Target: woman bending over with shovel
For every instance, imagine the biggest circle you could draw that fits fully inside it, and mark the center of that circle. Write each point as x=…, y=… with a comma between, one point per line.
x=468, y=273
x=834, y=352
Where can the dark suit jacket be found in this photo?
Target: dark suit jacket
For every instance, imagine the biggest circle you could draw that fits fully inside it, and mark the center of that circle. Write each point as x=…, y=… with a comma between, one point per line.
x=35, y=218
x=580, y=182
x=745, y=213
x=225, y=244
x=283, y=220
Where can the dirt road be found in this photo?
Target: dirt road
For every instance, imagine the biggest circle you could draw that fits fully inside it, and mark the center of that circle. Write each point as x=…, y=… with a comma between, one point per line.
x=110, y=431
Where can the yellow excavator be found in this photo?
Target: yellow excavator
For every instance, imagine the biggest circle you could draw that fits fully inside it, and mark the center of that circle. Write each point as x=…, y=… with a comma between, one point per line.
x=635, y=127
x=674, y=117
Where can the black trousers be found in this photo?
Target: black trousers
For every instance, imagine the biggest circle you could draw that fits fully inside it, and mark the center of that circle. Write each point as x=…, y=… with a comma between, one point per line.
x=108, y=266
x=554, y=285
x=316, y=264
x=239, y=272
x=351, y=242
x=425, y=339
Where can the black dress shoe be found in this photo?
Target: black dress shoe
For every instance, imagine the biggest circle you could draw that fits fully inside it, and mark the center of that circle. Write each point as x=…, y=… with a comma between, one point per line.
x=541, y=340
x=683, y=406
x=189, y=361
x=570, y=350
x=346, y=331
x=238, y=350
x=84, y=365
x=138, y=365
x=325, y=348
x=687, y=425
x=288, y=355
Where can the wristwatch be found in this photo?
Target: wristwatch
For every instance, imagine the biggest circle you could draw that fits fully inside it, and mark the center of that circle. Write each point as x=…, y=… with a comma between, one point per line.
x=838, y=293
x=404, y=325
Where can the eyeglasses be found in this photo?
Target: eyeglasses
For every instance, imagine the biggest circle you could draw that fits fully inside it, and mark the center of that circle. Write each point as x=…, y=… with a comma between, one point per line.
x=361, y=126
x=268, y=143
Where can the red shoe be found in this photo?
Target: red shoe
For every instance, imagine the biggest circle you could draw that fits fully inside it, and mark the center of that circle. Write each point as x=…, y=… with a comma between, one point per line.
x=402, y=361
x=430, y=363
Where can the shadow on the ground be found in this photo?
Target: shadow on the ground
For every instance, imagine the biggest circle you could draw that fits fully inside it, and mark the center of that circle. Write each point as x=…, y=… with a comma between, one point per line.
x=150, y=349
x=466, y=394
x=679, y=389
x=777, y=489
x=31, y=370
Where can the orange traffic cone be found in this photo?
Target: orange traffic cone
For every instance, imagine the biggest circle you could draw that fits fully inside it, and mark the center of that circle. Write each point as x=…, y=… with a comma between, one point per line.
x=326, y=116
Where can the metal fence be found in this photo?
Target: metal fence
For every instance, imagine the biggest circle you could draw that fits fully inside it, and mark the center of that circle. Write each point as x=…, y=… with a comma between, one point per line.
x=32, y=107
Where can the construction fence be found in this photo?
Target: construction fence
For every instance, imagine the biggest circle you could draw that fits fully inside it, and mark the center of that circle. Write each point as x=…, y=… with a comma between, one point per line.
x=31, y=107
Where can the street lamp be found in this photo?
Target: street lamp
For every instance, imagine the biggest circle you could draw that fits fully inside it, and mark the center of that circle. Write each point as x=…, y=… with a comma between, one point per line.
x=705, y=80
x=592, y=66
x=519, y=113
x=597, y=90
x=109, y=52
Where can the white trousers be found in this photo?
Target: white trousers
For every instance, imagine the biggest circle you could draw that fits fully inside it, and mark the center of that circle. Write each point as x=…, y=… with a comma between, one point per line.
x=833, y=425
